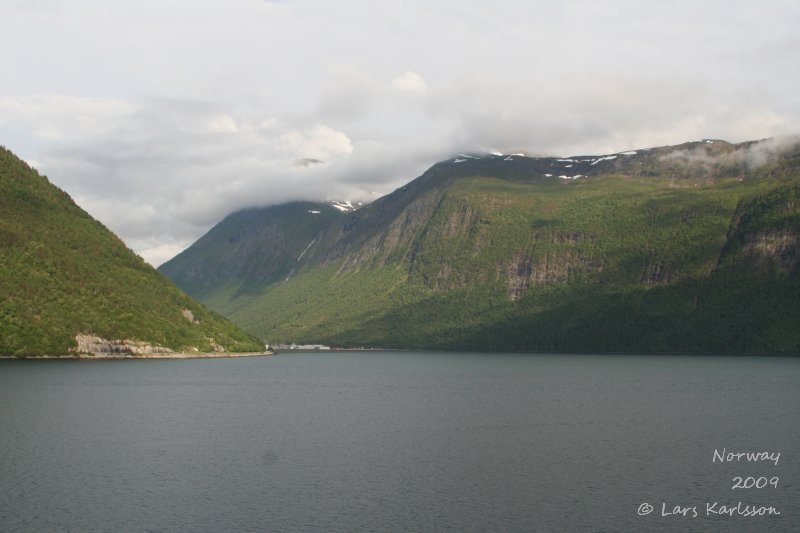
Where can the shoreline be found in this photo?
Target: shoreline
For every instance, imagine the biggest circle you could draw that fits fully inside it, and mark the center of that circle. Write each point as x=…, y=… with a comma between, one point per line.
x=127, y=357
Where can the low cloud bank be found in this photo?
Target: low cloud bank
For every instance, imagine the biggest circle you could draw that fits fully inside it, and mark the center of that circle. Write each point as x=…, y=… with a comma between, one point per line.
x=751, y=155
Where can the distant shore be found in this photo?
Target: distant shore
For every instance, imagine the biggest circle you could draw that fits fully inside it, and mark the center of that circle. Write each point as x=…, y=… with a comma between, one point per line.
x=212, y=355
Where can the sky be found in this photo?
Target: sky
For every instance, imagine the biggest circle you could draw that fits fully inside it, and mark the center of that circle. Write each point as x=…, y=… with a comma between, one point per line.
x=160, y=117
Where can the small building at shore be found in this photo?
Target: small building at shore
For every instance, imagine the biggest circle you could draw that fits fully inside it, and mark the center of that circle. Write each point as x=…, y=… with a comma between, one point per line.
x=301, y=347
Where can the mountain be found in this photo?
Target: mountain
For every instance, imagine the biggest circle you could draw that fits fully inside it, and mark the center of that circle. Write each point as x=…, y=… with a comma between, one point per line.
x=688, y=248
x=253, y=246
x=68, y=284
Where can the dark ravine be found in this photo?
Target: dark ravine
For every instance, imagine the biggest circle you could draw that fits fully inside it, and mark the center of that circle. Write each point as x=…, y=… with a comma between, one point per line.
x=690, y=248
x=67, y=283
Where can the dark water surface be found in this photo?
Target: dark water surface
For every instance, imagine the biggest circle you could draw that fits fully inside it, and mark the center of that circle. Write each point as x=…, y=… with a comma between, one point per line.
x=396, y=441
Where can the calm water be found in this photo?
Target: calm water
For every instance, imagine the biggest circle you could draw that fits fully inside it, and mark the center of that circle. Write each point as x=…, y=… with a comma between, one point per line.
x=395, y=441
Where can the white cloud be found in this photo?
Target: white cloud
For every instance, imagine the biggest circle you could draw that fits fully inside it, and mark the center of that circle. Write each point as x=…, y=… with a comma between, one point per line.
x=409, y=82
x=753, y=155
x=221, y=123
x=317, y=142
x=610, y=114
x=161, y=253
x=48, y=132
x=57, y=116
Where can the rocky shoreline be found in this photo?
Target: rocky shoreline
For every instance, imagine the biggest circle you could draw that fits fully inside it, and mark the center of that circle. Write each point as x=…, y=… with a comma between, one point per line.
x=172, y=355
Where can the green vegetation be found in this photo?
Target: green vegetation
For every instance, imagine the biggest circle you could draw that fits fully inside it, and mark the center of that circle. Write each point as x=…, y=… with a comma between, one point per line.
x=622, y=260
x=63, y=273
x=258, y=244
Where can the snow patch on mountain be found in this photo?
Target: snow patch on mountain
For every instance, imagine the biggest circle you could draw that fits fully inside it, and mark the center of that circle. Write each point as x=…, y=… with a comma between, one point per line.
x=606, y=158
x=304, y=251
x=344, y=206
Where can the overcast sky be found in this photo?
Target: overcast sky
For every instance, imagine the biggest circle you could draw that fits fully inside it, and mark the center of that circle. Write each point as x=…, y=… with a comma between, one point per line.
x=160, y=117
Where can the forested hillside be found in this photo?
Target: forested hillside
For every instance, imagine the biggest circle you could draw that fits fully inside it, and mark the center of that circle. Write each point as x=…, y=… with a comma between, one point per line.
x=63, y=274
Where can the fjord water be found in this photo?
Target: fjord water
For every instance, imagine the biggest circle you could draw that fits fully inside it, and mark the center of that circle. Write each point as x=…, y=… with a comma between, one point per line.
x=396, y=441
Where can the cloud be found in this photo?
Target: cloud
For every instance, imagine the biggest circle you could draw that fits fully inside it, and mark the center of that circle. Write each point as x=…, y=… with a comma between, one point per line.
x=317, y=142
x=306, y=161
x=769, y=150
x=409, y=82
x=348, y=96
x=607, y=114
x=221, y=123
x=160, y=253
x=752, y=156
x=58, y=117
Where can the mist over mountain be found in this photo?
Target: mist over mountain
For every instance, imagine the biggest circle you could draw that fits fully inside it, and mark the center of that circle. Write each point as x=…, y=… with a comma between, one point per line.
x=689, y=248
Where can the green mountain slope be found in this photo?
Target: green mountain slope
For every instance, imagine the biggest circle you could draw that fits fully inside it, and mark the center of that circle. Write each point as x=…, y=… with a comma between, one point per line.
x=62, y=274
x=692, y=248
x=260, y=246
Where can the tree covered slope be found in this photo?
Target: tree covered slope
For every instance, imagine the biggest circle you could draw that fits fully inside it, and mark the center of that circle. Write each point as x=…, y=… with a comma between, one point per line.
x=63, y=274
x=691, y=248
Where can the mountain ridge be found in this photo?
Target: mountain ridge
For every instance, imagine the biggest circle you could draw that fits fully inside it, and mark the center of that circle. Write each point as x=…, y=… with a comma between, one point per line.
x=498, y=252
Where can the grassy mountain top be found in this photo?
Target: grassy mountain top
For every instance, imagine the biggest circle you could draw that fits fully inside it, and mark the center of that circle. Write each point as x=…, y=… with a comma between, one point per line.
x=692, y=248
x=62, y=274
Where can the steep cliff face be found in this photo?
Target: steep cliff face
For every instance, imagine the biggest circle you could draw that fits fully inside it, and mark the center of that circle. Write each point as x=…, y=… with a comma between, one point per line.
x=382, y=235
x=563, y=262
x=765, y=232
x=778, y=248
x=629, y=251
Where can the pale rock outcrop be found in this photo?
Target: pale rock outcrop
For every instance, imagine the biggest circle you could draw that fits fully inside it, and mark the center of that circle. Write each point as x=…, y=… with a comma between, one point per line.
x=98, y=346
